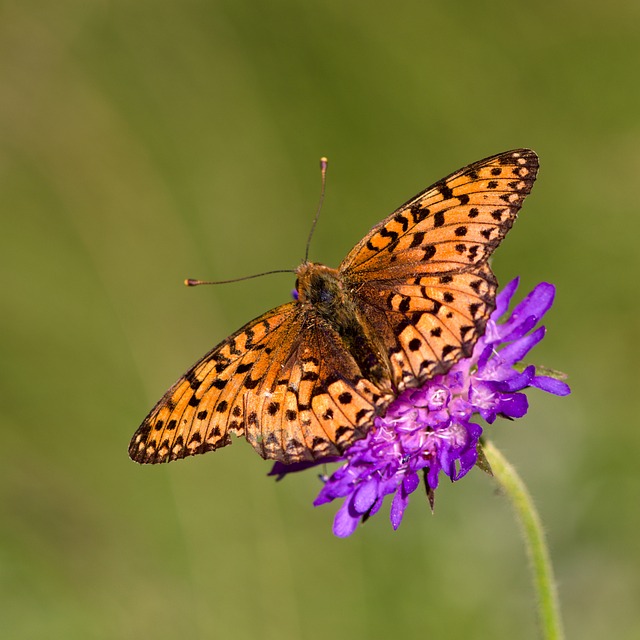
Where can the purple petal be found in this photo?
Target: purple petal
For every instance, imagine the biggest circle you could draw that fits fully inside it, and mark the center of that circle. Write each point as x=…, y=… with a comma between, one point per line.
x=514, y=406
x=515, y=383
x=345, y=522
x=551, y=385
x=432, y=475
x=365, y=496
x=517, y=350
x=467, y=462
x=520, y=330
x=376, y=506
x=488, y=415
x=536, y=304
x=398, y=506
x=485, y=356
x=503, y=299
x=410, y=483
x=400, y=501
x=336, y=487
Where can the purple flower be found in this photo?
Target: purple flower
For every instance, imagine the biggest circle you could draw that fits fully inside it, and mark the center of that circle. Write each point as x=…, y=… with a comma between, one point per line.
x=430, y=429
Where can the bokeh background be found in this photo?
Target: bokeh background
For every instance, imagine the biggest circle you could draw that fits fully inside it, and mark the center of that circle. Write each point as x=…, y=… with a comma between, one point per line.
x=145, y=142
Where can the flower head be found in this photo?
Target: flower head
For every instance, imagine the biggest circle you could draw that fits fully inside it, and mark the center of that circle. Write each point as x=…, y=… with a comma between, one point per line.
x=431, y=428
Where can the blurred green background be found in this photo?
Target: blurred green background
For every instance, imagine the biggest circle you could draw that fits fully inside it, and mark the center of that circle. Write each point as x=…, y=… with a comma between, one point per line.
x=145, y=142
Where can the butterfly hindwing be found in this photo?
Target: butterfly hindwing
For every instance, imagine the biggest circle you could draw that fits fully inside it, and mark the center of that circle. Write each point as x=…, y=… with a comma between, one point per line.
x=313, y=403
x=428, y=327
x=284, y=381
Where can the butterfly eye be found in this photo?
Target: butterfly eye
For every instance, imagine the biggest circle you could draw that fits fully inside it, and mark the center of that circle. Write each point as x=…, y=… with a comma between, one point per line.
x=294, y=292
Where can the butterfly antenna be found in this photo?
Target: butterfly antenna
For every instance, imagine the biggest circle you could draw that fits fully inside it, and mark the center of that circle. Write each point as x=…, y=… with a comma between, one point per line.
x=190, y=282
x=323, y=172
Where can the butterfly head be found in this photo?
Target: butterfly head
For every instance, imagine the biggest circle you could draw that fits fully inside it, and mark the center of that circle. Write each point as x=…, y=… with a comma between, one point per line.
x=318, y=285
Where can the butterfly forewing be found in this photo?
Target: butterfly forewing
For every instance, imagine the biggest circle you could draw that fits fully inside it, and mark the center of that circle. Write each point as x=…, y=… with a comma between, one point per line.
x=198, y=413
x=305, y=380
x=452, y=225
x=422, y=273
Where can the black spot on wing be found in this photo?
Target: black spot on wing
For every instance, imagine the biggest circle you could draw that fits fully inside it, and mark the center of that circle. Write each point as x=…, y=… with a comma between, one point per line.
x=417, y=239
x=444, y=189
x=399, y=218
x=418, y=213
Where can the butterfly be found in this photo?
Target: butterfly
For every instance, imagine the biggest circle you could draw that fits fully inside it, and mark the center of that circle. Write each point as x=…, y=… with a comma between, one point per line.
x=306, y=379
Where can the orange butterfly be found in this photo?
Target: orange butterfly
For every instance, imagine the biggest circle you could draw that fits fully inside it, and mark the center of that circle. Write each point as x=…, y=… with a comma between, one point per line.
x=305, y=380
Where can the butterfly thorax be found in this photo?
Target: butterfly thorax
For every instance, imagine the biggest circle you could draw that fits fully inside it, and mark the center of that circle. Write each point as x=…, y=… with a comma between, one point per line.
x=325, y=295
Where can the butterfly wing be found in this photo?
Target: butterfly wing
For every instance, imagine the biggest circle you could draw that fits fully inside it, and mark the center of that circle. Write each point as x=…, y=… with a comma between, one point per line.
x=314, y=402
x=421, y=276
x=283, y=381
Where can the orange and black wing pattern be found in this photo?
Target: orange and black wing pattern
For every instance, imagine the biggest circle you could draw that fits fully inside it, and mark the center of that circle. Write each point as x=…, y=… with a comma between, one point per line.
x=283, y=381
x=422, y=275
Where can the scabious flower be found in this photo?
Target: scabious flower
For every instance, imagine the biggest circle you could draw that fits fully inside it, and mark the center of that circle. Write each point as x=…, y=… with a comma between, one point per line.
x=431, y=428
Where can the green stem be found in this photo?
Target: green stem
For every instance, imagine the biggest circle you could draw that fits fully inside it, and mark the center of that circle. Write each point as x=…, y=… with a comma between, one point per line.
x=537, y=550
